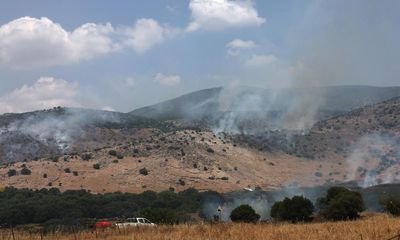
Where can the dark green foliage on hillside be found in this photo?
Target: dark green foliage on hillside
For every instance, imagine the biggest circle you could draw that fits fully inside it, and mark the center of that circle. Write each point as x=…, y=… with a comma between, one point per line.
x=23, y=206
x=296, y=209
x=25, y=171
x=341, y=203
x=11, y=172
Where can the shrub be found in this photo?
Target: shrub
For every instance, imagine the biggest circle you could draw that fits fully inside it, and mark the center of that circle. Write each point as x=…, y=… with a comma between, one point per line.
x=296, y=209
x=86, y=156
x=25, y=171
x=75, y=173
x=67, y=170
x=112, y=152
x=144, y=171
x=341, y=203
x=391, y=205
x=96, y=166
x=181, y=182
x=11, y=172
x=244, y=213
x=210, y=150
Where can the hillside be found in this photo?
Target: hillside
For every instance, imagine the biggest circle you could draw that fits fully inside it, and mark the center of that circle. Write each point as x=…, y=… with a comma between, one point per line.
x=208, y=102
x=105, y=151
x=172, y=160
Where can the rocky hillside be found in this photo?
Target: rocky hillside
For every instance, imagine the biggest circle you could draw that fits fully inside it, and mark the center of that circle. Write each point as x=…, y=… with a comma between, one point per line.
x=105, y=151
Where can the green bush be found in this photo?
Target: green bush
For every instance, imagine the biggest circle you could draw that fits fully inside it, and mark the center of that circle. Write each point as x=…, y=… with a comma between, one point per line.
x=391, y=205
x=244, y=213
x=25, y=171
x=96, y=166
x=11, y=172
x=144, y=171
x=341, y=203
x=297, y=209
x=112, y=152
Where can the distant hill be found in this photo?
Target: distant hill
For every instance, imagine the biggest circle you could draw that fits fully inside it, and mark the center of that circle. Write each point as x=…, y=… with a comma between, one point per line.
x=211, y=102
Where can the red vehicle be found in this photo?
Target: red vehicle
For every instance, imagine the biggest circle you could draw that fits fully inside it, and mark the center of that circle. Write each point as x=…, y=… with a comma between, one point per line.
x=103, y=224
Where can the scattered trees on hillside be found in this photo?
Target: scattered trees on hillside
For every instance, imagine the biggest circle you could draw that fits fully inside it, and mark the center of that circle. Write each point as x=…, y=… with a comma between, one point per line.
x=296, y=209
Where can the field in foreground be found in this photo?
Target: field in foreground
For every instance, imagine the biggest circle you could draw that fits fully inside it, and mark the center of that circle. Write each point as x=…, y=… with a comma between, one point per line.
x=376, y=227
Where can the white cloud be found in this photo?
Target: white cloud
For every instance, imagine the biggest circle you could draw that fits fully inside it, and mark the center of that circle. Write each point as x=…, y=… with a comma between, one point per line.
x=261, y=60
x=130, y=82
x=146, y=33
x=235, y=46
x=167, y=80
x=47, y=92
x=30, y=42
x=220, y=14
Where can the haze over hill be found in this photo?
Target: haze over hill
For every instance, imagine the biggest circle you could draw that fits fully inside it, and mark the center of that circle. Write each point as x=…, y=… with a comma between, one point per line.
x=181, y=143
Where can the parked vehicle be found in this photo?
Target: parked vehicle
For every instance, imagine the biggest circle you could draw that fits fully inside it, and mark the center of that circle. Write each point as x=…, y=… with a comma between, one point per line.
x=103, y=224
x=135, y=222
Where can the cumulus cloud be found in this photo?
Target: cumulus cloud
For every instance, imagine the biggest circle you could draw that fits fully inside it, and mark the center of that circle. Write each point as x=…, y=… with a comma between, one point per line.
x=30, y=42
x=220, y=14
x=146, y=33
x=47, y=92
x=235, y=46
x=260, y=60
x=167, y=80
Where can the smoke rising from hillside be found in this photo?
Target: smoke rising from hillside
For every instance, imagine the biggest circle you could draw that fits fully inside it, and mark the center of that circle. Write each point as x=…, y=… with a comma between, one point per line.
x=47, y=133
x=375, y=160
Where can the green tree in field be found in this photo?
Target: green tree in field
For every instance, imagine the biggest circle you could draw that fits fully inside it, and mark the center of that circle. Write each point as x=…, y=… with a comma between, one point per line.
x=296, y=209
x=341, y=203
x=391, y=205
x=244, y=213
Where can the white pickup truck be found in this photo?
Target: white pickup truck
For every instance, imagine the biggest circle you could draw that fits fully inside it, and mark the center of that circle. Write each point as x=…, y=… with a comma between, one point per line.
x=135, y=222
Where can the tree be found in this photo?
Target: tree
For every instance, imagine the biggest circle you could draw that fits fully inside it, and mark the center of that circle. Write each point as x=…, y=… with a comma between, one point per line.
x=144, y=171
x=25, y=171
x=296, y=209
x=341, y=203
x=391, y=205
x=11, y=172
x=244, y=213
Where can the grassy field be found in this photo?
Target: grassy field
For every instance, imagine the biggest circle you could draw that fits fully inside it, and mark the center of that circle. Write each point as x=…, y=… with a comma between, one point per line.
x=376, y=227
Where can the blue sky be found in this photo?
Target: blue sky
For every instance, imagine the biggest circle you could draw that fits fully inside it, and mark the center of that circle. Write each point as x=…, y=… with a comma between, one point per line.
x=120, y=55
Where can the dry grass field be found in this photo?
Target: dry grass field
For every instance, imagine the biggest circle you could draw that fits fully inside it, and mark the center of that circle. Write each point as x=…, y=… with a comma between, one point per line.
x=375, y=227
